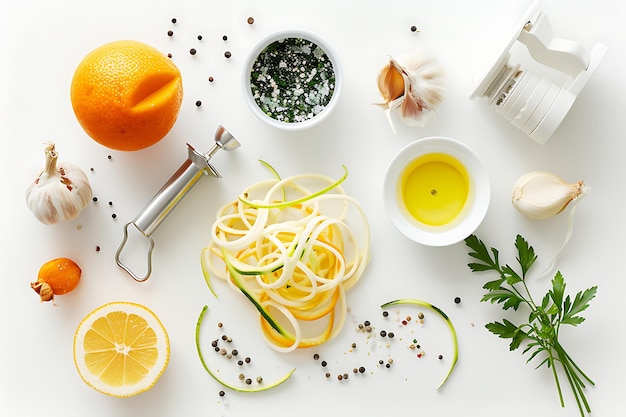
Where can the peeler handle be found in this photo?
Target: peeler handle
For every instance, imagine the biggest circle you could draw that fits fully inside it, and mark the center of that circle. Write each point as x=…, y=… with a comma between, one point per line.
x=164, y=201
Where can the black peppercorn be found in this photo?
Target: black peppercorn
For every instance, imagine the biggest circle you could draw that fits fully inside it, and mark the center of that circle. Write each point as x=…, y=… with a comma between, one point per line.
x=250, y=20
x=457, y=300
x=192, y=51
x=227, y=54
x=170, y=33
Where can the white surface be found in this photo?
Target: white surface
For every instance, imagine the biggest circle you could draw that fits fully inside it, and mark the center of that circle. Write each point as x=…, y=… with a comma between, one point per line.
x=43, y=42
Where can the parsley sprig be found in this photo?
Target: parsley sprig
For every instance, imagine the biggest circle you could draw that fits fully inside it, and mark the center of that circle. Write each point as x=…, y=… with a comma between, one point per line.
x=541, y=333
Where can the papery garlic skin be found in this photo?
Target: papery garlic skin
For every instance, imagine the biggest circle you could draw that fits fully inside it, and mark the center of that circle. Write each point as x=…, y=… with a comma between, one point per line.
x=58, y=192
x=541, y=195
x=412, y=85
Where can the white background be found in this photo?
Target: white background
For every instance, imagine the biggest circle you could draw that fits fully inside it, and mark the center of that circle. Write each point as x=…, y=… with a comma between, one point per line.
x=42, y=43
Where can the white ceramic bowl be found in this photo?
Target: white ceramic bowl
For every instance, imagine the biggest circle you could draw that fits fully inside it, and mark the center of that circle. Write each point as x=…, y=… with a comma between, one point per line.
x=473, y=211
x=247, y=87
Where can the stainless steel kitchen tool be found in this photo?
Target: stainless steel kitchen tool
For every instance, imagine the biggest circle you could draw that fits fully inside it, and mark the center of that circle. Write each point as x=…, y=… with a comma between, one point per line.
x=172, y=192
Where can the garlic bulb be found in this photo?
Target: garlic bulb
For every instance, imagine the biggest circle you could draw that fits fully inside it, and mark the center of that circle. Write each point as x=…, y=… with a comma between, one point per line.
x=58, y=192
x=412, y=85
x=541, y=195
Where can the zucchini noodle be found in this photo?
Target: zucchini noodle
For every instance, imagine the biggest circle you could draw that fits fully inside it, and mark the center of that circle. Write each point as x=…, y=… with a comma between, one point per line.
x=288, y=246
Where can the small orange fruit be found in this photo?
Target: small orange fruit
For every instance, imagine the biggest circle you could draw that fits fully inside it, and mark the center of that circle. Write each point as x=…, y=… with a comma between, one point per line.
x=126, y=95
x=56, y=277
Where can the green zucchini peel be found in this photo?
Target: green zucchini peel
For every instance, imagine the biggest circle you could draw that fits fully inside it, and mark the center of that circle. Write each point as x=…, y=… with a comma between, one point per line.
x=410, y=301
x=221, y=381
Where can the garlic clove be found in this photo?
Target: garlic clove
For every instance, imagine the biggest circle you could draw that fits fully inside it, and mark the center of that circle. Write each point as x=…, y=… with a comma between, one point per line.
x=412, y=85
x=391, y=82
x=540, y=195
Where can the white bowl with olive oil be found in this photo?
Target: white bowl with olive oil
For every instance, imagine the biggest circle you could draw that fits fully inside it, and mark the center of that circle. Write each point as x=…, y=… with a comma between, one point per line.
x=436, y=191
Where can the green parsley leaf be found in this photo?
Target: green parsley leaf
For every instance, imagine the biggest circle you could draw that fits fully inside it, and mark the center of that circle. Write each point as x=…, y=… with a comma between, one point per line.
x=541, y=332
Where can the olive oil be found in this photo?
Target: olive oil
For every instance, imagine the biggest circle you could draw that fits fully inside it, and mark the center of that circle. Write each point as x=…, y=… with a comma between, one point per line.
x=435, y=188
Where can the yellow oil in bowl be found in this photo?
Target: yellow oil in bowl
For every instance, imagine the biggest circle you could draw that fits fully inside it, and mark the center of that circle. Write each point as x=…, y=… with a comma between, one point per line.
x=435, y=188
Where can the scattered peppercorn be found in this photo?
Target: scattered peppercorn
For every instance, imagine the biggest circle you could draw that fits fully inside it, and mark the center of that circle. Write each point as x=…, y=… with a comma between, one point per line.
x=390, y=335
x=387, y=365
x=248, y=381
x=192, y=51
x=385, y=314
x=457, y=300
x=361, y=369
x=114, y=215
x=211, y=79
x=91, y=169
x=242, y=377
x=235, y=352
x=169, y=55
x=383, y=333
x=110, y=203
x=340, y=377
x=170, y=33
x=420, y=316
x=345, y=376
x=355, y=370
x=366, y=323
x=224, y=38
x=109, y=157
x=316, y=356
x=220, y=324
x=199, y=37
x=259, y=379
x=198, y=103
x=227, y=54
x=173, y=20
x=214, y=343
x=247, y=360
x=240, y=362
x=251, y=20
x=353, y=345
x=97, y=248
x=440, y=357
x=324, y=363
x=94, y=199
x=221, y=393
x=413, y=28
x=327, y=375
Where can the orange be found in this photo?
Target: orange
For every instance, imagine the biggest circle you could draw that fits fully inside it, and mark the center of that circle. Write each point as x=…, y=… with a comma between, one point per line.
x=121, y=349
x=126, y=95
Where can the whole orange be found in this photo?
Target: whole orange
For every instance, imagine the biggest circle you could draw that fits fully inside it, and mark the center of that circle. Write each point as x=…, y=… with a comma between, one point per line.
x=126, y=95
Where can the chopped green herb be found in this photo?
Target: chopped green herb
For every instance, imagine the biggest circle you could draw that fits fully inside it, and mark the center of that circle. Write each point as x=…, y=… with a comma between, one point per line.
x=292, y=80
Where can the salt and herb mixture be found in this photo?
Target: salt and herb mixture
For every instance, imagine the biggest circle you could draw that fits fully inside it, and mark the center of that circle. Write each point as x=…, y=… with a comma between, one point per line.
x=292, y=80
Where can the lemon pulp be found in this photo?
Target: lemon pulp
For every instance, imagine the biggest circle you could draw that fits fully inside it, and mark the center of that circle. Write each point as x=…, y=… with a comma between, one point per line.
x=435, y=188
x=121, y=349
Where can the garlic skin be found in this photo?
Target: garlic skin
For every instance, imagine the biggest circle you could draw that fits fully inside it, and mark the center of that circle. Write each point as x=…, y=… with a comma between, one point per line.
x=412, y=85
x=541, y=195
x=58, y=192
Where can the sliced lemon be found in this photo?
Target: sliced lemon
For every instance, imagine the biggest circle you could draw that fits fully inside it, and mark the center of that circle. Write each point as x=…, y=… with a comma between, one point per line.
x=121, y=349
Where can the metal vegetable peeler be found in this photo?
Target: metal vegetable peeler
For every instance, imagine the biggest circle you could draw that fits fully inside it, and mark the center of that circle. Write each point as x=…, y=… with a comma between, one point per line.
x=172, y=192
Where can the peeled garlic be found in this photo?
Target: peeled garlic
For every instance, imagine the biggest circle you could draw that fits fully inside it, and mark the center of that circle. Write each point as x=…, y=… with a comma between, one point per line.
x=541, y=195
x=413, y=86
x=58, y=192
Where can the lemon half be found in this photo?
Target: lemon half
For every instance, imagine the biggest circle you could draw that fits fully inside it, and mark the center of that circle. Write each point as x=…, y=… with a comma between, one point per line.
x=121, y=349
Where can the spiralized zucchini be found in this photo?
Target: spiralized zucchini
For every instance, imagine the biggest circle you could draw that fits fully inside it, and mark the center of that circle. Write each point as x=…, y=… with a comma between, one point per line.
x=288, y=246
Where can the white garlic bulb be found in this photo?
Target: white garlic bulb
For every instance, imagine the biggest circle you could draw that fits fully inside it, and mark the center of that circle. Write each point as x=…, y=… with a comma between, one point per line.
x=412, y=85
x=541, y=195
x=58, y=192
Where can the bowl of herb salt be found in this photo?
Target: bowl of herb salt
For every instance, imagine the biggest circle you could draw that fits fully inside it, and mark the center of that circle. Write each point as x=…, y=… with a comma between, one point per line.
x=292, y=79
